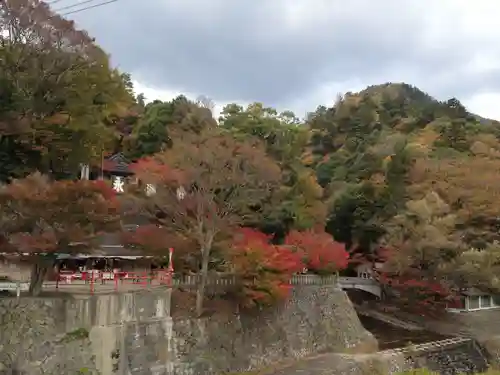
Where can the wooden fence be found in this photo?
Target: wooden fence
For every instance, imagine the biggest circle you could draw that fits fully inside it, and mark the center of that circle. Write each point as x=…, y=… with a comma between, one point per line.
x=216, y=283
x=220, y=283
x=224, y=282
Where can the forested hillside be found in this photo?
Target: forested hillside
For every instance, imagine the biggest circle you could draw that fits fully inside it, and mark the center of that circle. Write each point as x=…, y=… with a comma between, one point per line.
x=387, y=168
x=415, y=175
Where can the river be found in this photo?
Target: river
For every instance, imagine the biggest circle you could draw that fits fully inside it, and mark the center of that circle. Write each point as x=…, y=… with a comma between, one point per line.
x=391, y=337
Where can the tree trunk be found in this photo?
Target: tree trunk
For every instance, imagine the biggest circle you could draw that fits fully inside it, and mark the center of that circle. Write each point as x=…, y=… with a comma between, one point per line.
x=200, y=292
x=38, y=272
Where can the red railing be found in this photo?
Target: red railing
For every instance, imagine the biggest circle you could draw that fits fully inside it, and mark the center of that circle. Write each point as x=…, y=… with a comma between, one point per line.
x=119, y=279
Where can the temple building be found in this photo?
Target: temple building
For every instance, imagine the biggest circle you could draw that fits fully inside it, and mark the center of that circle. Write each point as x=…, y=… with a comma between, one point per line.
x=117, y=169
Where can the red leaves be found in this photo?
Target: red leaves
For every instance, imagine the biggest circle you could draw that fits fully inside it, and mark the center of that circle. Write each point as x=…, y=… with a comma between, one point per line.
x=149, y=238
x=151, y=170
x=255, y=246
x=421, y=296
x=52, y=216
x=40, y=243
x=156, y=241
x=321, y=253
x=265, y=268
x=103, y=188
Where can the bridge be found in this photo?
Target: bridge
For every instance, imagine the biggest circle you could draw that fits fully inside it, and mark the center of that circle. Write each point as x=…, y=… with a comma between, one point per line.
x=369, y=285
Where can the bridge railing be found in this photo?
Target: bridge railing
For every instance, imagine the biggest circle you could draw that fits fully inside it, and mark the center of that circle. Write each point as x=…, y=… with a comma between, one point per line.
x=314, y=280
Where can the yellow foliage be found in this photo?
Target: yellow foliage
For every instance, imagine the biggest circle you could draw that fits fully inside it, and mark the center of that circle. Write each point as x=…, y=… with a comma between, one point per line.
x=308, y=186
x=307, y=158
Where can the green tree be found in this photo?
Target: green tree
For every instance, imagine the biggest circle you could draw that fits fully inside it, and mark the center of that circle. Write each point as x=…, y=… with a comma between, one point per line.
x=286, y=140
x=353, y=217
x=162, y=122
x=454, y=135
x=54, y=115
x=476, y=268
x=151, y=135
x=423, y=236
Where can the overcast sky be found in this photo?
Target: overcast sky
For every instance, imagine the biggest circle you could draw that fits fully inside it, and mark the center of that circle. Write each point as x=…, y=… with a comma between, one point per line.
x=298, y=54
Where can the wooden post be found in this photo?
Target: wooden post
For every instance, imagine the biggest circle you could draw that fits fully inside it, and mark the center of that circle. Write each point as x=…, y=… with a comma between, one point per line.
x=171, y=266
x=170, y=261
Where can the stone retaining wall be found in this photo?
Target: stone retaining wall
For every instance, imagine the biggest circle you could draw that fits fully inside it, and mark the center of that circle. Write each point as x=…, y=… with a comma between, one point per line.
x=132, y=333
x=455, y=355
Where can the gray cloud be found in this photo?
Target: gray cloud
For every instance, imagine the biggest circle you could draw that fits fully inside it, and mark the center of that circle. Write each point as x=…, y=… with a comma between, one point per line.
x=280, y=51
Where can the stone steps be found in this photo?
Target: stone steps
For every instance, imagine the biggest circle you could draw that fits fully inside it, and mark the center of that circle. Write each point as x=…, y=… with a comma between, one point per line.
x=464, y=358
x=429, y=346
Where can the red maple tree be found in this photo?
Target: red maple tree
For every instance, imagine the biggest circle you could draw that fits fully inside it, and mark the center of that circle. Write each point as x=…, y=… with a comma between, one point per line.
x=150, y=170
x=264, y=269
x=415, y=294
x=44, y=218
x=156, y=241
x=206, y=185
x=321, y=254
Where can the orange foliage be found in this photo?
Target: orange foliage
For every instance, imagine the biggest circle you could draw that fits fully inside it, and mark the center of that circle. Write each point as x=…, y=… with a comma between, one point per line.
x=470, y=183
x=48, y=216
x=151, y=170
x=152, y=239
x=265, y=269
x=321, y=253
x=156, y=241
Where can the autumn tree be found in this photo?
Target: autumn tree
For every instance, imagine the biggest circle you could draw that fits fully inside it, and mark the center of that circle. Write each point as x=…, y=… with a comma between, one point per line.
x=55, y=115
x=476, y=268
x=156, y=240
x=44, y=218
x=320, y=253
x=207, y=184
x=425, y=296
x=470, y=186
x=264, y=268
x=422, y=237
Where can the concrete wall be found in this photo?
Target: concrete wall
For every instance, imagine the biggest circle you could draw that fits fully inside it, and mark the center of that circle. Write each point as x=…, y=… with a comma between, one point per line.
x=132, y=333
x=45, y=335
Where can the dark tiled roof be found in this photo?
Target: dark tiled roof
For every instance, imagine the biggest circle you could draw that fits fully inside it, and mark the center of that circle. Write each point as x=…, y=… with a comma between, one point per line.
x=117, y=163
x=116, y=251
x=111, y=244
x=473, y=292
